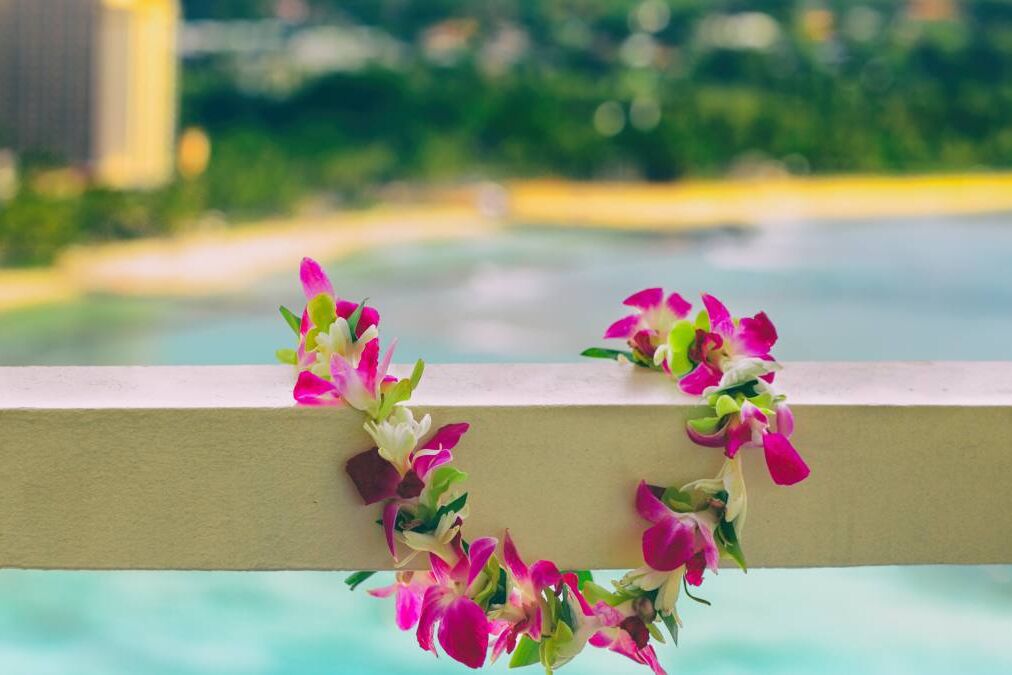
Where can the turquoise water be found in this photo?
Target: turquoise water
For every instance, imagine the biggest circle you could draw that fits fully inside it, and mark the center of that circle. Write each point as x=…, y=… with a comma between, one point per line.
x=937, y=288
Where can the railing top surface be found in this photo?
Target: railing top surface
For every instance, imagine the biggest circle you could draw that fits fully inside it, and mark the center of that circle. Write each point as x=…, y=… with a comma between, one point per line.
x=915, y=383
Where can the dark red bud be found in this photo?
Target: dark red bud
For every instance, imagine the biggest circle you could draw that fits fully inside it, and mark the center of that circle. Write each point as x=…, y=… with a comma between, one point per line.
x=637, y=629
x=375, y=478
x=411, y=485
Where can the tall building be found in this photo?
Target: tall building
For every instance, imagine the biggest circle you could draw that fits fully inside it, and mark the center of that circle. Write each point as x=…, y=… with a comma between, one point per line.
x=92, y=83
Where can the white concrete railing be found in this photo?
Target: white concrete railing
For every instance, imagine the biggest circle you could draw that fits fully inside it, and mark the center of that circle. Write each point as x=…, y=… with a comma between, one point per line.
x=214, y=468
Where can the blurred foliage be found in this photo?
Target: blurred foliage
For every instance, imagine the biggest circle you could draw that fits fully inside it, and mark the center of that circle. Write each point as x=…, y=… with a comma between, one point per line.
x=876, y=86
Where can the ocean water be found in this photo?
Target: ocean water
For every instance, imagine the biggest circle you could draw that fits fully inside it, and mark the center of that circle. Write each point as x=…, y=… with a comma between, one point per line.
x=926, y=289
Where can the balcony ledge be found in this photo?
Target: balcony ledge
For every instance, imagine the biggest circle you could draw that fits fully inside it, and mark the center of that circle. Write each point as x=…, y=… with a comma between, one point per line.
x=213, y=467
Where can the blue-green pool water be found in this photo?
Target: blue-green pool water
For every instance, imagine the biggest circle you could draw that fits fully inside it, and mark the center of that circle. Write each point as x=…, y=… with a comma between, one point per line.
x=927, y=289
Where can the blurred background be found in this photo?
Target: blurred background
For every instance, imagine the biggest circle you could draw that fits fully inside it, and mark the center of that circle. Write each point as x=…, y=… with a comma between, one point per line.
x=496, y=177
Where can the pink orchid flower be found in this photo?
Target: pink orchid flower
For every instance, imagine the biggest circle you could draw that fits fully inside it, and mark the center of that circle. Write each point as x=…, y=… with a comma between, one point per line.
x=377, y=479
x=750, y=427
x=716, y=351
x=361, y=386
x=408, y=590
x=463, y=626
x=608, y=627
x=524, y=609
x=630, y=639
x=675, y=538
x=647, y=329
x=315, y=282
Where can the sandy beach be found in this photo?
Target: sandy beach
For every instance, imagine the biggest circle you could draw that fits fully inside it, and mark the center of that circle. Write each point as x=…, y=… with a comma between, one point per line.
x=229, y=258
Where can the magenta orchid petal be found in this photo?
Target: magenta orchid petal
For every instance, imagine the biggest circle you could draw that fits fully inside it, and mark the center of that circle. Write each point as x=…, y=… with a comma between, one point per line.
x=714, y=440
x=606, y=614
x=367, y=365
x=711, y=555
x=433, y=606
x=756, y=335
x=479, y=553
x=368, y=318
x=309, y=387
x=384, y=591
x=407, y=607
x=390, y=511
x=720, y=319
x=381, y=373
x=621, y=642
x=512, y=559
x=424, y=464
x=643, y=340
x=649, y=656
x=463, y=632
x=574, y=588
x=622, y=328
x=374, y=477
x=784, y=463
x=750, y=413
x=346, y=381
x=668, y=544
x=544, y=573
x=440, y=569
x=446, y=437
x=536, y=625
x=314, y=279
x=678, y=305
x=501, y=643
x=738, y=434
x=694, y=570
x=649, y=506
x=304, y=326
x=785, y=419
x=646, y=299
x=702, y=376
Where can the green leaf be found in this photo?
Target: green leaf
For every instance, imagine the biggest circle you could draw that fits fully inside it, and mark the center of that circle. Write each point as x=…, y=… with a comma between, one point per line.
x=602, y=353
x=678, y=500
x=494, y=574
x=321, y=312
x=356, y=578
x=286, y=356
x=595, y=593
x=563, y=633
x=294, y=322
x=655, y=632
x=501, y=589
x=726, y=405
x=685, y=585
x=705, y=425
x=396, y=394
x=453, y=507
x=680, y=339
x=527, y=653
x=416, y=374
x=727, y=542
x=440, y=481
x=354, y=319
x=748, y=389
x=672, y=626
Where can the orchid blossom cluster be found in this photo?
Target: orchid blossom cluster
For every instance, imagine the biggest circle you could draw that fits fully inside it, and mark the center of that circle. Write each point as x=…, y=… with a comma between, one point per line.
x=726, y=362
x=479, y=600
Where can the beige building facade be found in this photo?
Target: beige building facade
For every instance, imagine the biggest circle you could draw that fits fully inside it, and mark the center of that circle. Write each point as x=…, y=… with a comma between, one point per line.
x=92, y=83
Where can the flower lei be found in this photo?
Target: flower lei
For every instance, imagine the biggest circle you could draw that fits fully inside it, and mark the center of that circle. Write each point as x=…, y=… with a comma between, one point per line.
x=482, y=596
